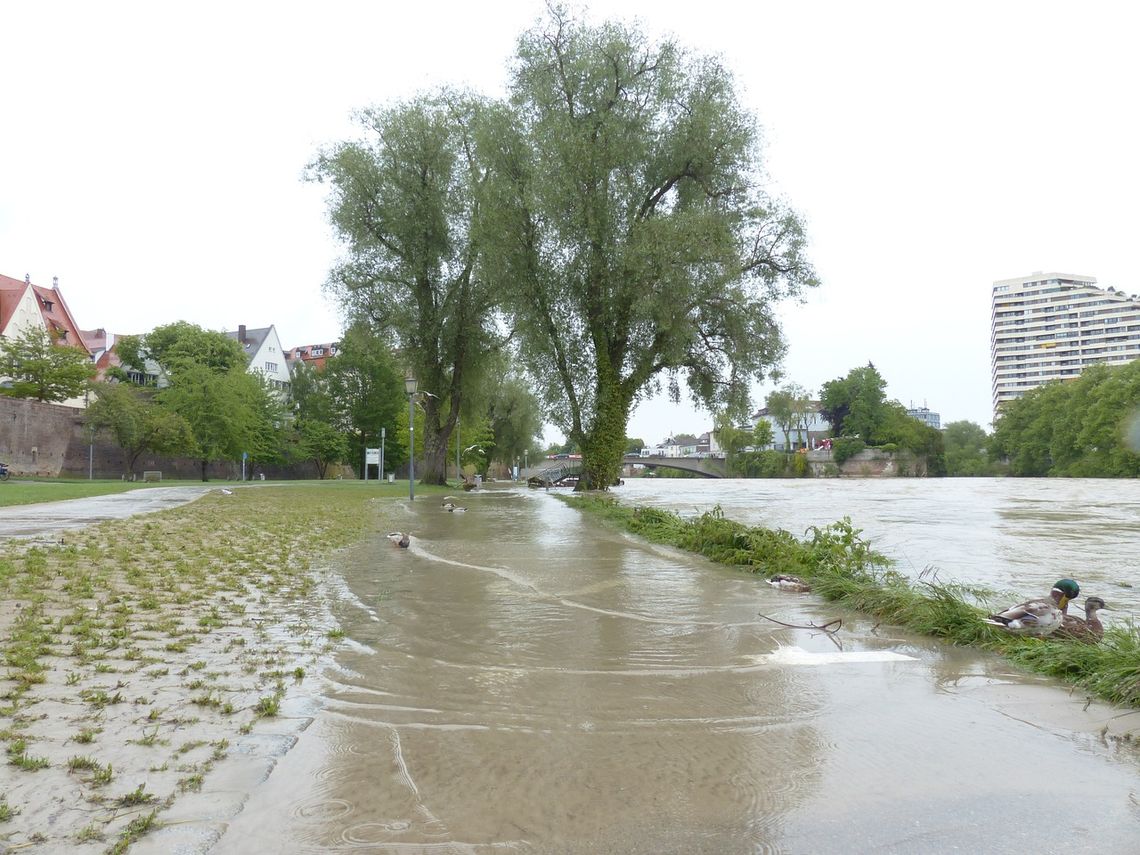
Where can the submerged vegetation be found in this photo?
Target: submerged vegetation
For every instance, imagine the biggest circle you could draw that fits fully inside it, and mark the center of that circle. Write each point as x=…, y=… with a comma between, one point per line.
x=843, y=569
x=164, y=637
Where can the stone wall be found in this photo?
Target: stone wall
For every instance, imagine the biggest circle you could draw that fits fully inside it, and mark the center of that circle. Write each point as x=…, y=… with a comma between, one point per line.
x=868, y=463
x=51, y=441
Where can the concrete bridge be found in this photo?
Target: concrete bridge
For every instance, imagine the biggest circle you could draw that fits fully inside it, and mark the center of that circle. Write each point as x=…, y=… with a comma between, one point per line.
x=553, y=472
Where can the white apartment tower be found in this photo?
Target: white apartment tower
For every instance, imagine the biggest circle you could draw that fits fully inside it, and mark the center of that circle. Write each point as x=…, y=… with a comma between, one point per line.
x=1050, y=326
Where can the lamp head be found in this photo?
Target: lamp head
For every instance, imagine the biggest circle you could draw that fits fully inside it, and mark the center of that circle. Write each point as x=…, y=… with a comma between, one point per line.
x=410, y=384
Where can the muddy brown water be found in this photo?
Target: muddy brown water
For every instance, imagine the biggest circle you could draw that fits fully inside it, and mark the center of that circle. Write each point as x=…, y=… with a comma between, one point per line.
x=522, y=680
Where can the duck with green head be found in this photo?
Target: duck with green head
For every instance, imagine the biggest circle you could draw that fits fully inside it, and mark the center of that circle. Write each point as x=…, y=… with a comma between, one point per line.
x=1038, y=617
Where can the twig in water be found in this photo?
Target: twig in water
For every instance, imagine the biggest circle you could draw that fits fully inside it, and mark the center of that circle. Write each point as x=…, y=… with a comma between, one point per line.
x=838, y=624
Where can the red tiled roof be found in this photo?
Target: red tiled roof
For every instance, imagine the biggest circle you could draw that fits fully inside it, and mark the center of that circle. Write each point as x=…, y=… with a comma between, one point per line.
x=57, y=317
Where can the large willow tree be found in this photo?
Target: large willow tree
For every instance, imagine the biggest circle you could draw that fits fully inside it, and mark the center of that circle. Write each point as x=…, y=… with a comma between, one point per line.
x=633, y=232
x=405, y=202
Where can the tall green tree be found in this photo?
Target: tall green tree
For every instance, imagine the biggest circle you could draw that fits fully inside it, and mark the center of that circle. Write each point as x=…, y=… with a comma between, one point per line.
x=39, y=367
x=515, y=418
x=1074, y=428
x=789, y=407
x=138, y=423
x=230, y=411
x=362, y=393
x=855, y=405
x=966, y=454
x=631, y=227
x=405, y=201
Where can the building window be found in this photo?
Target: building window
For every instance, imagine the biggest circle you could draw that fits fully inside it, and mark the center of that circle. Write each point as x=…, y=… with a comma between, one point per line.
x=271, y=367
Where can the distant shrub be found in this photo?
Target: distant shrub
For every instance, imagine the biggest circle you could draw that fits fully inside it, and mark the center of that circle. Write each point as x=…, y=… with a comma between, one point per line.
x=845, y=448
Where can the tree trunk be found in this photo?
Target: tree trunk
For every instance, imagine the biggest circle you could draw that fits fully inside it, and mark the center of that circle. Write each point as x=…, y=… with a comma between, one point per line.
x=603, y=448
x=205, y=463
x=434, y=461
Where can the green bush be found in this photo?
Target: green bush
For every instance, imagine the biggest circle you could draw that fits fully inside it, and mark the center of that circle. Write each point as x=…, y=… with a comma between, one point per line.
x=844, y=448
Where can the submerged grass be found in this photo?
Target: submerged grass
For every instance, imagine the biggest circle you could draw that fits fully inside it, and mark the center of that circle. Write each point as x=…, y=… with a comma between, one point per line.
x=843, y=568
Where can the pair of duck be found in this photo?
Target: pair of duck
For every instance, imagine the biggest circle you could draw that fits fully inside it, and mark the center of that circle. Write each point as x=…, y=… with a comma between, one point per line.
x=1049, y=616
x=450, y=506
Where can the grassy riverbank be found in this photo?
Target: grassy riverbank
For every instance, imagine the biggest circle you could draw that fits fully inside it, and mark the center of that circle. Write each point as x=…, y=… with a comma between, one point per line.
x=137, y=653
x=843, y=568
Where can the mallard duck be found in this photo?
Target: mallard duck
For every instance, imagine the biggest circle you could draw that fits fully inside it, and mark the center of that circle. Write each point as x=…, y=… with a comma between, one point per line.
x=786, y=582
x=400, y=538
x=1038, y=617
x=456, y=509
x=1089, y=630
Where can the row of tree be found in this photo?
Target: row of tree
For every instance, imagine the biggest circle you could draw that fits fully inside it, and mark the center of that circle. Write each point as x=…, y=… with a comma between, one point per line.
x=210, y=407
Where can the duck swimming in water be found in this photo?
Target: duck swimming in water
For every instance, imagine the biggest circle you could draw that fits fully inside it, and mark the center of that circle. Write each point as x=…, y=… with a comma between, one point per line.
x=400, y=538
x=1090, y=630
x=786, y=582
x=1038, y=617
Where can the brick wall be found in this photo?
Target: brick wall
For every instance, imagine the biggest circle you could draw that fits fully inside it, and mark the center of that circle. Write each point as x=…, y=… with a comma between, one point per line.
x=51, y=441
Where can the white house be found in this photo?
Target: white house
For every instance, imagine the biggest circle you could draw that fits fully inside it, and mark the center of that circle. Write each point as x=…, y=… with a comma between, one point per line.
x=817, y=428
x=266, y=356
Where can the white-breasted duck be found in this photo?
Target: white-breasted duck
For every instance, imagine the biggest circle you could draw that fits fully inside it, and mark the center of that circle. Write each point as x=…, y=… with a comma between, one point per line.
x=1038, y=617
x=787, y=582
x=400, y=538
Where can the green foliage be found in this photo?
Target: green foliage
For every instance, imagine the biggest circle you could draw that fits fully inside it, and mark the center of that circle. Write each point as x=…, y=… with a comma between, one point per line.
x=39, y=367
x=137, y=422
x=761, y=464
x=515, y=419
x=179, y=344
x=407, y=200
x=855, y=405
x=229, y=413
x=1075, y=428
x=790, y=410
x=639, y=249
x=762, y=434
x=966, y=454
x=321, y=443
x=359, y=392
x=844, y=448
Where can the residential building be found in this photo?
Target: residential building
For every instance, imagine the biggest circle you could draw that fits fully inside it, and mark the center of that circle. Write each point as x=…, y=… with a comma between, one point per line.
x=1051, y=326
x=926, y=416
x=266, y=356
x=808, y=435
x=25, y=306
x=311, y=354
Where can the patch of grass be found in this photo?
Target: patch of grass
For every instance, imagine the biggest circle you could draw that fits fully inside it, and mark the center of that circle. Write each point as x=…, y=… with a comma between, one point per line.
x=137, y=796
x=135, y=829
x=6, y=810
x=267, y=706
x=86, y=735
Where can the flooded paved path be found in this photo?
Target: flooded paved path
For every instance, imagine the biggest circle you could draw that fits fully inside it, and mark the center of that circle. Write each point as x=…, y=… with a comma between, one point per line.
x=48, y=519
x=522, y=680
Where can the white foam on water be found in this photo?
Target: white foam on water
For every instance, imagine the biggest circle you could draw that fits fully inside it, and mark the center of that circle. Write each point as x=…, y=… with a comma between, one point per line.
x=799, y=656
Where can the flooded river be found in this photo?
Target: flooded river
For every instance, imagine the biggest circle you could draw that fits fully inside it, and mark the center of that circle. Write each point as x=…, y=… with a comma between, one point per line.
x=522, y=680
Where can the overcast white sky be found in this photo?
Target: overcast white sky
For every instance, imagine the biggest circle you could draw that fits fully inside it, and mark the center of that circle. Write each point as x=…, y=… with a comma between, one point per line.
x=151, y=158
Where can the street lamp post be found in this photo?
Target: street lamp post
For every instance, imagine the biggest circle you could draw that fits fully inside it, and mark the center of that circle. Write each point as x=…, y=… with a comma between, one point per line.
x=457, y=475
x=383, y=432
x=410, y=387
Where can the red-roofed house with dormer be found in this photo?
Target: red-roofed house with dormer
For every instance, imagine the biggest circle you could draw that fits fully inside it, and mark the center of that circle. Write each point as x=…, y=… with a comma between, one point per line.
x=25, y=306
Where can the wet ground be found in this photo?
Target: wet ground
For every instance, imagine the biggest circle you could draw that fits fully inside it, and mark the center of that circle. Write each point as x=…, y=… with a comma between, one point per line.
x=48, y=520
x=523, y=680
